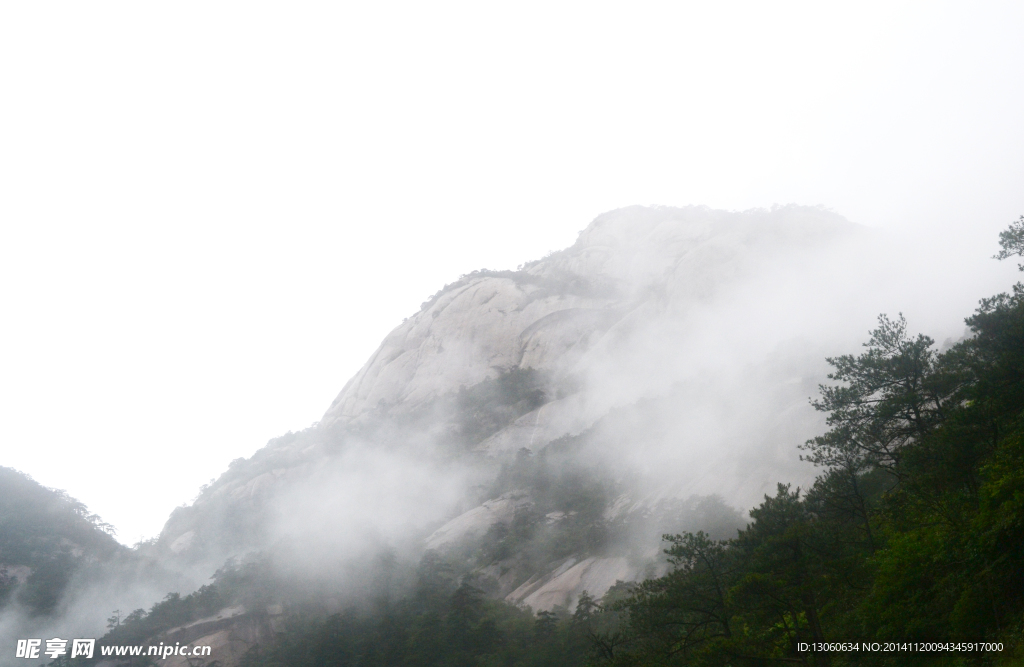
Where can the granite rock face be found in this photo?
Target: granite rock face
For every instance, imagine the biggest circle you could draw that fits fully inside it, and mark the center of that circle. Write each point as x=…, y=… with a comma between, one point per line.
x=469, y=333
x=627, y=269
x=563, y=586
x=478, y=520
x=602, y=313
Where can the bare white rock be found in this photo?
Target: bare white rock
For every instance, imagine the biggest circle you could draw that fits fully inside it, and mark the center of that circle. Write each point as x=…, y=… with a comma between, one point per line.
x=563, y=586
x=183, y=542
x=478, y=520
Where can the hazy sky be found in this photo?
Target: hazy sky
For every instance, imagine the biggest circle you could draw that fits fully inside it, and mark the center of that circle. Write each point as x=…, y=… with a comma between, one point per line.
x=211, y=213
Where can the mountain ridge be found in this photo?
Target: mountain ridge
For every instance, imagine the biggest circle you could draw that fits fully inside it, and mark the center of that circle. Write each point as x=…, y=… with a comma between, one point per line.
x=504, y=361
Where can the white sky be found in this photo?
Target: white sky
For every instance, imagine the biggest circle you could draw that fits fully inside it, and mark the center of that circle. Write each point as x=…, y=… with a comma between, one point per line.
x=211, y=213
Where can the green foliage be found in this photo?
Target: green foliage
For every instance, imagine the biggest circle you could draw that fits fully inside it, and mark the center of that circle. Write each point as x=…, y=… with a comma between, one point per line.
x=575, y=496
x=1011, y=241
x=891, y=396
x=686, y=613
x=444, y=623
x=173, y=611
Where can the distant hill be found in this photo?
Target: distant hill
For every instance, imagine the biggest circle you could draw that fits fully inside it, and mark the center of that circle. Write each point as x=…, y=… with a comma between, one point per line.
x=46, y=537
